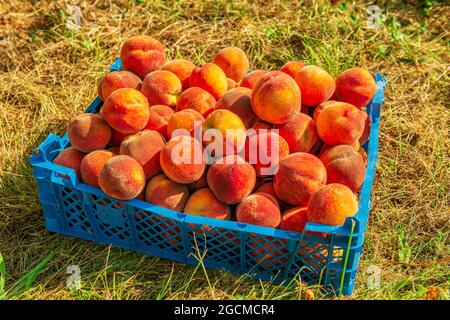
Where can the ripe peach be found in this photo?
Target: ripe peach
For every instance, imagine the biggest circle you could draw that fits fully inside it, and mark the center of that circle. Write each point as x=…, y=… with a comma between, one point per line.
x=159, y=116
x=340, y=123
x=126, y=110
x=344, y=165
x=231, y=84
x=88, y=132
x=142, y=55
x=316, y=85
x=298, y=177
x=260, y=209
x=70, y=158
x=161, y=87
x=187, y=119
x=276, y=97
x=320, y=107
x=262, y=125
x=292, y=68
x=238, y=101
x=231, y=179
x=366, y=133
x=332, y=204
x=166, y=193
x=181, y=68
x=116, y=138
x=294, y=219
x=299, y=132
x=211, y=78
x=356, y=86
x=363, y=154
x=115, y=150
x=92, y=164
x=204, y=203
x=268, y=188
x=200, y=183
x=122, y=177
x=197, y=99
x=252, y=78
x=145, y=147
x=233, y=61
x=264, y=150
x=182, y=159
x=116, y=80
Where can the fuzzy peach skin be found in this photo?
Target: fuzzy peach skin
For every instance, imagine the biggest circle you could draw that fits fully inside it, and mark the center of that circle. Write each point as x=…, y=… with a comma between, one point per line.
x=231, y=128
x=294, y=219
x=200, y=183
x=299, y=132
x=142, y=54
x=345, y=166
x=231, y=179
x=259, y=209
x=276, y=98
x=161, y=87
x=116, y=80
x=233, y=61
x=268, y=188
x=262, y=125
x=363, y=154
x=264, y=150
x=145, y=147
x=181, y=68
x=211, y=78
x=159, y=116
x=238, y=101
x=251, y=78
x=116, y=138
x=316, y=85
x=126, y=110
x=340, y=123
x=320, y=107
x=92, y=164
x=88, y=132
x=188, y=120
x=367, y=125
x=165, y=193
x=182, y=159
x=70, y=158
x=122, y=177
x=355, y=146
x=332, y=204
x=197, y=99
x=356, y=86
x=204, y=203
x=292, y=68
x=231, y=84
x=298, y=177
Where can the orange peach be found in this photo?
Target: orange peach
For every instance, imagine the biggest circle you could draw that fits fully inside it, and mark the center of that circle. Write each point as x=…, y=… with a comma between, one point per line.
x=70, y=158
x=366, y=133
x=116, y=138
x=316, y=85
x=298, y=177
x=187, y=121
x=122, y=177
x=159, y=116
x=126, y=110
x=292, y=68
x=211, y=78
x=238, y=101
x=325, y=147
x=166, y=193
x=182, y=159
x=262, y=125
x=88, y=132
x=197, y=99
x=363, y=154
x=204, y=203
x=92, y=164
x=320, y=107
x=299, y=132
x=181, y=68
x=294, y=219
x=231, y=179
x=231, y=84
x=116, y=80
x=340, y=123
x=259, y=209
x=356, y=86
x=252, y=78
x=332, y=204
x=276, y=97
x=145, y=147
x=200, y=183
x=344, y=165
x=161, y=87
x=268, y=188
x=142, y=55
x=233, y=61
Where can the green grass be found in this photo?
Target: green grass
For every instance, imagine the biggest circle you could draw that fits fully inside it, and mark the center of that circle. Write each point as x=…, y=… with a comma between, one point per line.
x=48, y=75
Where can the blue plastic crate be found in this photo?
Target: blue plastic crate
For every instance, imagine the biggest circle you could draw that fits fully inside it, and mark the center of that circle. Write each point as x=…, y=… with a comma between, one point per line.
x=73, y=208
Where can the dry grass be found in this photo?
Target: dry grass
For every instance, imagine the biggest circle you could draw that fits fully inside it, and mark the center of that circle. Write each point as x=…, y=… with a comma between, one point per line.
x=48, y=74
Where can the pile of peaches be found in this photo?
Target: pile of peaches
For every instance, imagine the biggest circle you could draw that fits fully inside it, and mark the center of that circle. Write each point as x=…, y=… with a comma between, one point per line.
x=286, y=147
